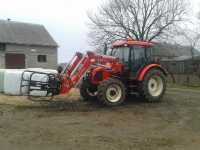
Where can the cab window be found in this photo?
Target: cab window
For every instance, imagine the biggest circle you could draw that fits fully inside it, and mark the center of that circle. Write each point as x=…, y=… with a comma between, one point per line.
x=122, y=53
x=139, y=53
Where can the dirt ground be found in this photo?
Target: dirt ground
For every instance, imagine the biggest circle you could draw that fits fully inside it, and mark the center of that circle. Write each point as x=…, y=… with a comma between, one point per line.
x=69, y=123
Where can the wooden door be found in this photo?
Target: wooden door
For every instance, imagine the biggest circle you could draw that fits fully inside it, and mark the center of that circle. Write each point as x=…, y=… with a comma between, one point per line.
x=15, y=61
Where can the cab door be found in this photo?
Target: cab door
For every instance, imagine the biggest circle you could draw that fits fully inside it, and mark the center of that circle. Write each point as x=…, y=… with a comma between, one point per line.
x=123, y=53
x=138, y=60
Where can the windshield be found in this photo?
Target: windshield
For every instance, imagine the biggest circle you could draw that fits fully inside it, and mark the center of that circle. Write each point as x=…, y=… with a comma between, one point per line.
x=122, y=53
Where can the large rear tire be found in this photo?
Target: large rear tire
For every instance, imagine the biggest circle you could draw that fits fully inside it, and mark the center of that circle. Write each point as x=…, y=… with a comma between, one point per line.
x=87, y=91
x=111, y=92
x=153, y=86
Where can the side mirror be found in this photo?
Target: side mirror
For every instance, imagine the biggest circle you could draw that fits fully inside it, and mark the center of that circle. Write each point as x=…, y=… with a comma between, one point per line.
x=105, y=49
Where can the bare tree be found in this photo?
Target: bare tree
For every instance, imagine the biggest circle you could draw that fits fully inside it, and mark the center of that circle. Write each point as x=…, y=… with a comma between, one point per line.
x=192, y=38
x=136, y=19
x=189, y=36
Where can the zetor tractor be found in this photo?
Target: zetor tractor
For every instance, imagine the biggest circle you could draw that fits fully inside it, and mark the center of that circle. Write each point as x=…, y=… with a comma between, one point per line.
x=129, y=68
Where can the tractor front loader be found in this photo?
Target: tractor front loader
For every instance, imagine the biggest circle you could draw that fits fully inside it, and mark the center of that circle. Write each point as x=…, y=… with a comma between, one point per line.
x=129, y=68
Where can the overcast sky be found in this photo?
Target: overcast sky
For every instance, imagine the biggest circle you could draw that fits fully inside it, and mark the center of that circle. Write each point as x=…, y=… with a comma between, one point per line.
x=65, y=20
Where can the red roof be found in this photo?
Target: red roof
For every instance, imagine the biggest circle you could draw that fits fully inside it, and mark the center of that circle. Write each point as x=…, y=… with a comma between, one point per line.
x=132, y=42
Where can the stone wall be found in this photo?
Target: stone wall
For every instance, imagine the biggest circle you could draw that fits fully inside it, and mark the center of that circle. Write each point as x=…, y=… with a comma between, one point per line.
x=2, y=60
x=31, y=55
x=184, y=79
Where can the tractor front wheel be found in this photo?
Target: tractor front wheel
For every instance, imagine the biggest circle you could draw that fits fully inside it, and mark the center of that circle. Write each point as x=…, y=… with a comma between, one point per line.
x=87, y=91
x=153, y=86
x=111, y=92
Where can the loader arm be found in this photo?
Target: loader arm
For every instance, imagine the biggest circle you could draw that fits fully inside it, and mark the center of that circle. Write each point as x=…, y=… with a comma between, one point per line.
x=74, y=71
x=54, y=84
x=80, y=64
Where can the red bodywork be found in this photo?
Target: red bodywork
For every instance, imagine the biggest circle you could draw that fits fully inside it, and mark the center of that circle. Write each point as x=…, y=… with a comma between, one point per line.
x=129, y=42
x=106, y=66
x=80, y=64
x=143, y=71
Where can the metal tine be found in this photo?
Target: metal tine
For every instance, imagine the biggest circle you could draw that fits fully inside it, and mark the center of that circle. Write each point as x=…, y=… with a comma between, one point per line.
x=23, y=79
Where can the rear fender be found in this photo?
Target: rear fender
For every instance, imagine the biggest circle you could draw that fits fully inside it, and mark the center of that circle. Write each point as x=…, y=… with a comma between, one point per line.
x=147, y=68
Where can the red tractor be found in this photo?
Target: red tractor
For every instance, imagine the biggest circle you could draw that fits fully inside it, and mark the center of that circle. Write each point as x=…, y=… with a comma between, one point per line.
x=129, y=68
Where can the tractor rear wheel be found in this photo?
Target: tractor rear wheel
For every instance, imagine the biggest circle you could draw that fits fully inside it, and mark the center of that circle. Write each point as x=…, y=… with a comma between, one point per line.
x=111, y=92
x=87, y=91
x=154, y=86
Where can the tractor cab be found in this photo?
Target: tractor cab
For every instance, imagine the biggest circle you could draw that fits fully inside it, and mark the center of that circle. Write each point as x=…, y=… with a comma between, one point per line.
x=134, y=55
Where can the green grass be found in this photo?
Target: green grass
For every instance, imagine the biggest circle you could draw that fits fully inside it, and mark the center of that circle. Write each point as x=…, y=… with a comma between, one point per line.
x=170, y=85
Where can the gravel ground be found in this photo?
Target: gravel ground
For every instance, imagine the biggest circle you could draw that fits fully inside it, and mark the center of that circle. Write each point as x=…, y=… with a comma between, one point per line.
x=69, y=123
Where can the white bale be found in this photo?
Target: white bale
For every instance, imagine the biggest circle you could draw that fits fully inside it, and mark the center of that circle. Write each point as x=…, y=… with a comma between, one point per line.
x=43, y=70
x=2, y=74
x=50, y=71
x=12, y=81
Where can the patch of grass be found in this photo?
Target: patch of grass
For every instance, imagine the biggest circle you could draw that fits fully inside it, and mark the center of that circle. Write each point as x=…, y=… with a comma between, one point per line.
x=193, y=121
x=152, y=143
x=170, y=85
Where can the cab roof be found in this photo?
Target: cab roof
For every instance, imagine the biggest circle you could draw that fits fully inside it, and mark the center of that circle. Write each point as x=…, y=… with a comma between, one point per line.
x=130, y=42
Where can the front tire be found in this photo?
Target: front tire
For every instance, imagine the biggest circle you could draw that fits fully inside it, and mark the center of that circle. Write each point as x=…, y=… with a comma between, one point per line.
x=154, y=86
x=87, y=91
x=111, y=92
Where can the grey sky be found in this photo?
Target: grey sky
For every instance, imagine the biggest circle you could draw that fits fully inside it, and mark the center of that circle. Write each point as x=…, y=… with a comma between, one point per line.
x=64, y=19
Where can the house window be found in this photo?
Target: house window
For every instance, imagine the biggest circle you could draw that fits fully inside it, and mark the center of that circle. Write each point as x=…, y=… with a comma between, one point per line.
x=2, y=47
x=42, y=58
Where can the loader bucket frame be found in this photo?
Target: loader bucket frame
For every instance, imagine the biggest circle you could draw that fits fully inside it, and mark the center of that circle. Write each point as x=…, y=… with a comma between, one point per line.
x=34, y=85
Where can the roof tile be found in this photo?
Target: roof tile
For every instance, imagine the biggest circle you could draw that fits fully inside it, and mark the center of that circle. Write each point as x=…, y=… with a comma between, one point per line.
x=25, y=34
